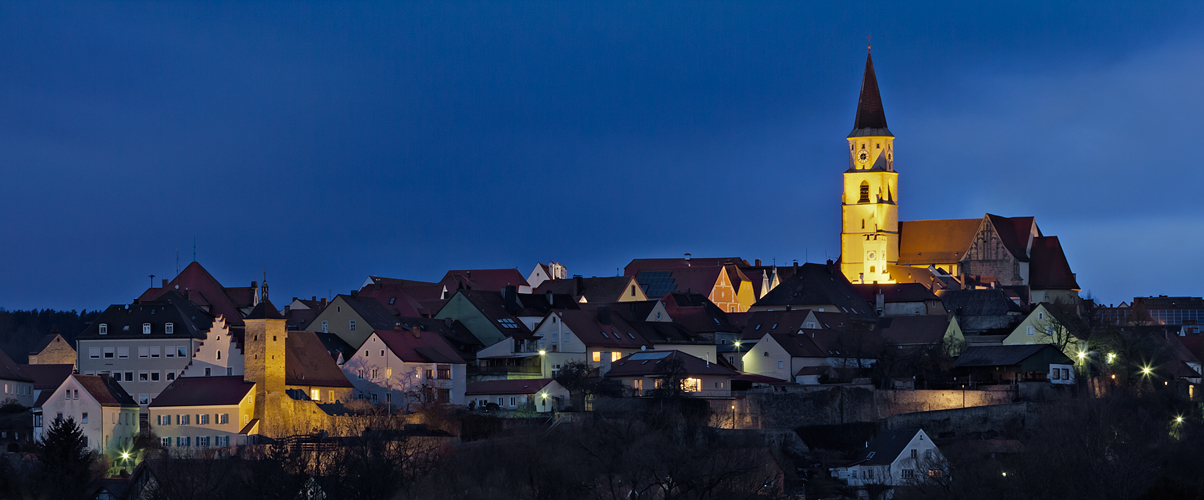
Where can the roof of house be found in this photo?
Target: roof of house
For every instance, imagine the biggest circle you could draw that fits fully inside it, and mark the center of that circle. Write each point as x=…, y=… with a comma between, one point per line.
x=452, y=330
x=871, y=118
x=197, y=285
x=637, y=265
x=307, y=362
x=264, y=310
x=494, y=280
x=604, y=289
x=1014, y=233
x=45, y=341
x=941, y=241
x=913, y=330
x=492, y=305
x=798, y=346
x=894, y=293
x=104, y=389
x=659, y=282
x=124, y=321
x=1049, y=269
x=645, y=363
x=371, y=310
x=763, y=322
x=1002, y=355
x=697, y=312
x=819, y=285
x=986, y=302
x=10, y=370
x=335, y=345
x=518, y=386
x=1193, y=344
x=203, y=391
x=591, y=331
x=668, y=332
x=887, y=446
x=429, y=348
x=48, y=376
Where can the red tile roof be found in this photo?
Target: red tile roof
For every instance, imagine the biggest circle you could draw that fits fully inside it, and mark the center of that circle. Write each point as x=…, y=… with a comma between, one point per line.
x=942, y=241
x=48, y=376
x=913, y=330
x=429, y=347
x=637, y=265
x=202, y=289
x=105, y=390
x=307, y=362
x=494, y=280
x=618, y=333
x=10, y=370
x=1049, y=269
x=203, y=391
x=646, y=363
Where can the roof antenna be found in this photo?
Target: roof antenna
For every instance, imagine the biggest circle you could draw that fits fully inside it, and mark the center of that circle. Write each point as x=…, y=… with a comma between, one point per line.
x=152, y=277
x=177, y=261
x=194, y=248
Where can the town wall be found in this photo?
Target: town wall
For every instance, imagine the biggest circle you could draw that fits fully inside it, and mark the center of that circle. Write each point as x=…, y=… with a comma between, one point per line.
x=837, y=405
x=964, y=421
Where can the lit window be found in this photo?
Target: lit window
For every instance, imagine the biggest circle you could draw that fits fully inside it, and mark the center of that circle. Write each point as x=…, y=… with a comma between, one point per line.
x=615, y=356
x=146, y=328
x=691, y=385
x=597, y=356
x=169, y=328
x=104, y=329
x=315, y=394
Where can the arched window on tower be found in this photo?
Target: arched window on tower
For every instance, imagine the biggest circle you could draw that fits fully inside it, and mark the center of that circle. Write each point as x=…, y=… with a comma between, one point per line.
x=865, y=192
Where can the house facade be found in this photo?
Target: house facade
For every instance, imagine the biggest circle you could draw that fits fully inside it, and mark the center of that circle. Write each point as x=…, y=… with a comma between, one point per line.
x=106, y=414
x=895, y=458
x=196, y=413
x=542, y=395
x=53, y=349
x=647, y=371
x=394, y=367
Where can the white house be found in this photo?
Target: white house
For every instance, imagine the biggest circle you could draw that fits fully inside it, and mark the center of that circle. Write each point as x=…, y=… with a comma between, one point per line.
x=895, y=458
x=646, y=371
x=194, y=413
x=542, y=394
x=595, y=337
x=106, y=414
x=392, y=365
x=803, y=356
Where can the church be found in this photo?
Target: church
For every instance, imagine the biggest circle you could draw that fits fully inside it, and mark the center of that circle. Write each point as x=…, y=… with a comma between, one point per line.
x=876, y=247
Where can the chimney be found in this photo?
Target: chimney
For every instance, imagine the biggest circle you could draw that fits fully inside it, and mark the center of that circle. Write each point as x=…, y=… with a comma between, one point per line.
x=355, y=293
x=164, y=282
x=758, y=262
x=510, y=297
x=578, y=285
x=468, y=274
x=397, y=327
x=604, y=315
x=417, y=332
x=687, y=257
x=880, y=301
x=796, y=266
x=313, y=298
x=323, y=302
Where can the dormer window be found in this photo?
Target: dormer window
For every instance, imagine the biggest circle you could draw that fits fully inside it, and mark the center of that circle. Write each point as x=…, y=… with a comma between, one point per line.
x=351, y=325
x=146, y=328
x=171, y=328
x=104, y=328
x=392, y=300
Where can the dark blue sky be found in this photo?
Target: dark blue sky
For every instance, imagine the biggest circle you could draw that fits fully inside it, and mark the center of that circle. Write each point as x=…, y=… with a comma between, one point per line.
x=330, y=141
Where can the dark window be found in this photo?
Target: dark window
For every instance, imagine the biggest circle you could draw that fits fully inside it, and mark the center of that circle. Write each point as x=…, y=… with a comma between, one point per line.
x=865, y=192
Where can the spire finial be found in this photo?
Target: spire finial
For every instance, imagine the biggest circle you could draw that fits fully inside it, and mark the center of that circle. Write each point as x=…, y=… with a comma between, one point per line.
x=868, y=44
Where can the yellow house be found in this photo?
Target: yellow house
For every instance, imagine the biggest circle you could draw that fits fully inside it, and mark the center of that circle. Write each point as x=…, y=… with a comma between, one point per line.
x=1047, y=325
x=196, y=413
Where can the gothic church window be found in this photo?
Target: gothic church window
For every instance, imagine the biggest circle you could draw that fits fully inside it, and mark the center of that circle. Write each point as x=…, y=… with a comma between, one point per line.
x=865, y=192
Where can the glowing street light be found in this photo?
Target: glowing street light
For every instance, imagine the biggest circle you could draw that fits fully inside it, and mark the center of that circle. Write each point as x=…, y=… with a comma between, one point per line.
x=125, y=455
x=1082, y=355
x=737, y=344
x=1111, y=357
x=1146, y=371
x=543, y=395
x=542, y=352
x=1178, y=419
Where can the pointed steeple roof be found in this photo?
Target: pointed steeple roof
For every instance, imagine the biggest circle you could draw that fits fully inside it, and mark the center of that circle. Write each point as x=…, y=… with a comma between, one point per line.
x=871, y=119
x=265, y=310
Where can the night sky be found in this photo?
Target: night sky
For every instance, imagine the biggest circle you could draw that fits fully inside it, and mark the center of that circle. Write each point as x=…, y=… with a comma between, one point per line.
x=332, y=141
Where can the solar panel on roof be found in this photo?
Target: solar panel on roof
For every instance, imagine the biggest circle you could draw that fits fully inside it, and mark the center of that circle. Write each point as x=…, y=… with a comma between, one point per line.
x=648, y=355
x=656, y=283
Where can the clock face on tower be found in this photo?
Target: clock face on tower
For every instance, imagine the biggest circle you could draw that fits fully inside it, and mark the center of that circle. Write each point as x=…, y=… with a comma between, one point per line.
x=871, y=256
x=863, y=157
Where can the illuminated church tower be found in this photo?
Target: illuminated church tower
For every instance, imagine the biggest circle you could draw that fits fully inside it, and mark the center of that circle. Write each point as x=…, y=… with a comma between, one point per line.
x=869, y=238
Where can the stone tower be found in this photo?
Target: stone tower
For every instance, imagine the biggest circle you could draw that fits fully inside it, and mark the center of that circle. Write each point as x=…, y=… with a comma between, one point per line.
x=869, y=238
x=264, y=360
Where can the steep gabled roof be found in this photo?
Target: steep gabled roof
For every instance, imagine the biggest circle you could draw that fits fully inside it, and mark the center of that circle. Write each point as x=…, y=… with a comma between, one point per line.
x=48, y=376
x=989, y=302
x=1014, y=232
x=493, y=306
x=371, y=310
x=797, y=345
x=616, y=333
x=871, y=118
x=203, y=391
x=44, y=341
x=637, y=265
x=105, y=390
x=495, y=280
x=197, y=285
x=1049, y=269
x=819, y=285
x=697, y=312
x=764, y=322
x=10, y=370
x=452, y=330
x=307, y=362
x=645, y=363
x=887, y=446
x=660, y=282
x=428, y=348
x=604, y=289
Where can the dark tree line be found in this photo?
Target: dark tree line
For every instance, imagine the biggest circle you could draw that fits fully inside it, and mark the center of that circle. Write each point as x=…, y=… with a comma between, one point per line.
x=20, y=331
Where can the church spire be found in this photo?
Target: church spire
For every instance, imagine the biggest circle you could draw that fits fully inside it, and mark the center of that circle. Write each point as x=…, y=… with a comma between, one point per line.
x=871, y=119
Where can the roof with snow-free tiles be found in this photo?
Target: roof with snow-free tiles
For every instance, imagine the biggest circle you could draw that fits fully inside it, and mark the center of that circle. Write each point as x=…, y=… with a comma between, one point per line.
x=203, y=391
